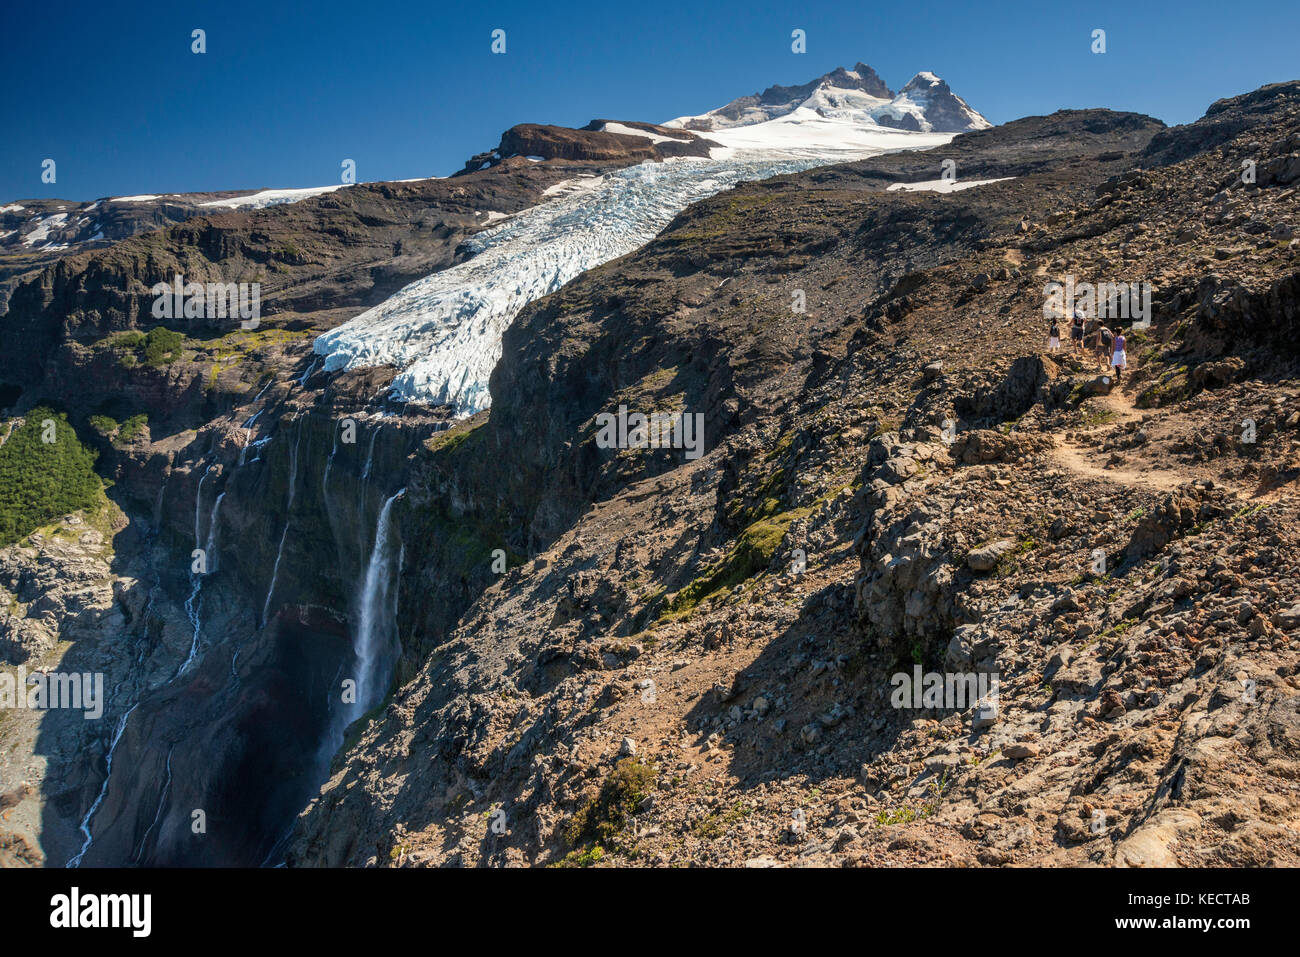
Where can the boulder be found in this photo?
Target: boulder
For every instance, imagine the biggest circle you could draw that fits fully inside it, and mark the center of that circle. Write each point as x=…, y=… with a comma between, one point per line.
x=986, y=558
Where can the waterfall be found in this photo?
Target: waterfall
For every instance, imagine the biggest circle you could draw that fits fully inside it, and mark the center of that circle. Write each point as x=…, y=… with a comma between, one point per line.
x=210, y=549
x=270, y=382
x=103, y=788
x=198, y=507
x=248, y=423
x=248, y=434
x=329, y=464
x=371, y=637
x=162, y=801
x=280, y=551
x=194, y=602
x=370, y=455
x=311, y=367
x=293, y=467
x=361, y=488
x=158, y=505
x=275, y=572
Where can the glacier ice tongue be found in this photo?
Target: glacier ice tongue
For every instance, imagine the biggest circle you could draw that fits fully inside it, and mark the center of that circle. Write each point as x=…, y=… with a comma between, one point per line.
x=443, y=332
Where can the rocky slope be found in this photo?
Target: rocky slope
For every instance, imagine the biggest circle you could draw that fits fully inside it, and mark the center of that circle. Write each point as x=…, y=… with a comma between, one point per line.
x=37, y=232
x=634, y=656
x=661, y=681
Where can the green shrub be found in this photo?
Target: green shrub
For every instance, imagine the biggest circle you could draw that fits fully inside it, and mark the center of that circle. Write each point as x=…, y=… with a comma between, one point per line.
x=131, y=339
x=131, y=428
x=603, y=818
x=41, y=481
x=103, y=424
x=162, y=346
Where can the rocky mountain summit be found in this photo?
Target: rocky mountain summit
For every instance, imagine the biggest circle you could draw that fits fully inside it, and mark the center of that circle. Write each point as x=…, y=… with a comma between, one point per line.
x=924, y=104
x=580, y=655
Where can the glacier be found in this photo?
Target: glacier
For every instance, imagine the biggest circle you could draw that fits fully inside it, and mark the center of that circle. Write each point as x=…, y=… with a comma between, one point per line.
x=443, y=332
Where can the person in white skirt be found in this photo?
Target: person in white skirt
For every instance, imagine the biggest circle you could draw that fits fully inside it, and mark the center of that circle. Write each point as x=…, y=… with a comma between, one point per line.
x=1054, y=338
x=1119, y=359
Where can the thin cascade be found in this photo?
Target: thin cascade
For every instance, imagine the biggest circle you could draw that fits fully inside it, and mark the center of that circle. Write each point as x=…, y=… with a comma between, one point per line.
x=162, y=802
x=194, y=602
x=103, y=788
x=370, y=455
x=310, y=369
x=279, y=552
x=329, y=464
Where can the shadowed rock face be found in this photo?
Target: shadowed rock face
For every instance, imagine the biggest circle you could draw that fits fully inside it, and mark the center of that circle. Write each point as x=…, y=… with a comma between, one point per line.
x=65, y=228
x=247, y=730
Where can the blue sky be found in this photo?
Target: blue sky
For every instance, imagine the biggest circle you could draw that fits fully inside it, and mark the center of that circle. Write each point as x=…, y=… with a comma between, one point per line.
x=113, y=93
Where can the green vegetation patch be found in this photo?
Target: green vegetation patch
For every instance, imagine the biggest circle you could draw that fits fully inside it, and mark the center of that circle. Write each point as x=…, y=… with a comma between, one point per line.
x=132, y=428
x=752, y=553
x=604, y=818
x=43, y=480
x=1170, y=387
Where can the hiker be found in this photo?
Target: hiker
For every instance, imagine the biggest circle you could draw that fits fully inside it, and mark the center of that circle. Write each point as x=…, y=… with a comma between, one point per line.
x=1076, y=331
x=1104, y=340
x=1119, y=360
x=1054, y=338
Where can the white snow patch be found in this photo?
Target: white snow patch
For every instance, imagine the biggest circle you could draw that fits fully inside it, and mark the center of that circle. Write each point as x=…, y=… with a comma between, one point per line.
x=565, y=187
x=944, y=185
x=830, y=139
x=273, y=197
x=42, y=230
x=143, y=198
x=644, y=134
x=12, y=208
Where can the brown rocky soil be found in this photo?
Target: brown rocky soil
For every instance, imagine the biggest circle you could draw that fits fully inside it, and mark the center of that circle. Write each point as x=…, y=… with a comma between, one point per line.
x=656, y=682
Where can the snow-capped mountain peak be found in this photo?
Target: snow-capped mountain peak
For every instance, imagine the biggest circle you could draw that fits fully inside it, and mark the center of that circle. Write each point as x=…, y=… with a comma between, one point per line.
x=934, y=106
x=443, y=332
x=926, y=104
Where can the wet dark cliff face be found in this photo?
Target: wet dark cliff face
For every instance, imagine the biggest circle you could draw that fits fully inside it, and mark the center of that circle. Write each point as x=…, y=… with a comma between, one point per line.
x=245, y=731
x=277, y=471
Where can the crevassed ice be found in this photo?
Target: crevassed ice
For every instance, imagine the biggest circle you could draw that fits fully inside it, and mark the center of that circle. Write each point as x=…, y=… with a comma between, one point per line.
x=444, y=331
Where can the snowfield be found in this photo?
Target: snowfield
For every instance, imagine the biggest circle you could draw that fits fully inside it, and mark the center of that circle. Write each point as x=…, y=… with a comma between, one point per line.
x=42, y=231
x=274, y=197
x=444, y=331
x=944, y=185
